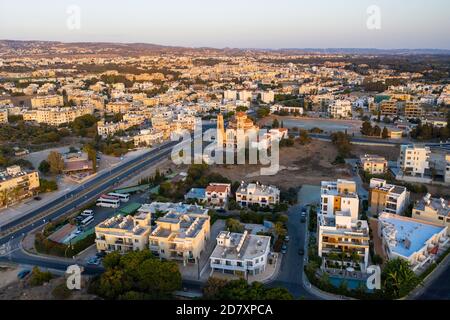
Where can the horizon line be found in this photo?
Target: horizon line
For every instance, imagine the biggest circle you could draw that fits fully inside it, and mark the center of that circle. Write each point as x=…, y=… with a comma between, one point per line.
x=233, y=48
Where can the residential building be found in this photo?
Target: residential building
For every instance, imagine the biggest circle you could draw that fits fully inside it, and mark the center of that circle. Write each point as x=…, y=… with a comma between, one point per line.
x=414, y=160
x=245, y=95
x=374, y=164
x=416, y=241
x=148, y=137
x=216, y=194
x=389, y=108
x=118, y=107
x=268, y=96
x=281, y=108
x=123, y=234
x=387, y=197
x=47, y=101
x=3, y=116
x=16, y=184
x=338, y=196
x=340, y=109
x=180, y=236
x=57, y=116
x=230, y=95
x=256, y=193
x=413, y=110
x=240, y=254
x=343, y=240
x=435, y=210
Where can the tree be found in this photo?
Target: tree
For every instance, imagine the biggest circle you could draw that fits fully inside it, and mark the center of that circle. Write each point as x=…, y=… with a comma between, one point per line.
x=275, y=124
x=304, y=137
x=280, y=231
x=137, y=275
x=385, y=133
x=92, y=155
x=44, y=166
x=376, y=131
x=366, y=128
x=234, y=225
x=398, y=278
x=56, y=162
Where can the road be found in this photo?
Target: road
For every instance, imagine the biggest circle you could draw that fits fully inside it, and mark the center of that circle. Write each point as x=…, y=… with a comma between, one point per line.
x=290, y=275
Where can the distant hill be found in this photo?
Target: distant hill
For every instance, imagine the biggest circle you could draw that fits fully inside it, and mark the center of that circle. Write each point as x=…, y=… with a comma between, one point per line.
x=27, y=48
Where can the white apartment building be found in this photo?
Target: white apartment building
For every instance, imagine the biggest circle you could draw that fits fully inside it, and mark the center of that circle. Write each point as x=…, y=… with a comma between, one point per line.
x=414, y=160
x=256, y=193
x=148, y=137
x=123, y=234
x=341, y=234
x=240, y=254
x=230, y=95
x=387, y=197
x=416, y=241
x=245, y=95
x=281, y=108
x=340, y=196
x=340, y=109
x=268, y=96
x=435, y=210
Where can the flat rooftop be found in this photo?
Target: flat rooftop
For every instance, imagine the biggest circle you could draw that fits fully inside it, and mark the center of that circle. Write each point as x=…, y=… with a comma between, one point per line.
x=406, y=236
x=253, y=246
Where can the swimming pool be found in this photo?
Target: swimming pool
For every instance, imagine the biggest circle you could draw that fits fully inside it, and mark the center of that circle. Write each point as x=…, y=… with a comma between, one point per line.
x=352, y=284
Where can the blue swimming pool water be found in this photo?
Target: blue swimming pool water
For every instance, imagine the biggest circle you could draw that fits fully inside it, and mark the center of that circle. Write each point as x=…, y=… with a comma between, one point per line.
x=352, y=284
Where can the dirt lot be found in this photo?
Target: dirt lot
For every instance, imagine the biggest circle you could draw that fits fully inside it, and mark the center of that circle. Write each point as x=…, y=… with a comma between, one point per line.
x=300, y=165
x=390, y=153
x=20, y=290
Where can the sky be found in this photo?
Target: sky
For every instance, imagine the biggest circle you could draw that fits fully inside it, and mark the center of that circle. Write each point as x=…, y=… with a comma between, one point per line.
x=272, y=24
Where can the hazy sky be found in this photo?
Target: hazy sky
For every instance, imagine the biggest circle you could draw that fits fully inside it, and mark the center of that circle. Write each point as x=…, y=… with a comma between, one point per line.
x=233, y=23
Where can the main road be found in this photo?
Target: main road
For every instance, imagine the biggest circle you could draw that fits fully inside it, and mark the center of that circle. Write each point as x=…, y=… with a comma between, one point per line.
x=83, y=194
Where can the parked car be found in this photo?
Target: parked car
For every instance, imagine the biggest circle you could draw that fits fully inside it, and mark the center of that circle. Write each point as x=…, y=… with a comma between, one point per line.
x=284, y=249
x=301, y=252
x=22, y=274
x=286, y=238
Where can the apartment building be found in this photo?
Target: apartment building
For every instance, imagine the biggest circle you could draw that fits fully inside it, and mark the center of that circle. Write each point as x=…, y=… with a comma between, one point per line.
x=256, y=193
x=389, y=108
x=340, y=109
x=57, y=116
x=435, y=210
x=373, y=164
x=413, y=110
x=47, y=101
x=123, y=234
x=118, y=107
x=282, y=108
x=148, y=137
x=387, y=197
x=414, y=160
x=16, y=184
x=343, y=240
x=3, y=116
x=340, y=195
x=180, y=236
x=230, y=95
x=240, y=254
x=216, y=194
x=245, y=95
x=416, y=241
x=267, y=96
